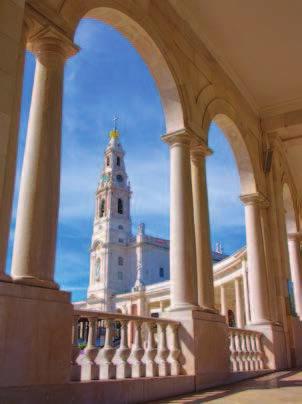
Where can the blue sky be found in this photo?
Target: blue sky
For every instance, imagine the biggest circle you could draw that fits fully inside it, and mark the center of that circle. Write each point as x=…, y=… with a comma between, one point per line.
x=108, y=77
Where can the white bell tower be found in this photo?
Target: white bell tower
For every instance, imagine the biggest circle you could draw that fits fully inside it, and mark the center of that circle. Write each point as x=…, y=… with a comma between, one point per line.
x=111, y=230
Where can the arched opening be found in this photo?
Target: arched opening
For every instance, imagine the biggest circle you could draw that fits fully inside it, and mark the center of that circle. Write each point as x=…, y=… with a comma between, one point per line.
x=102, y=208
x=153, y=57
x=230, y=174
x=120, y=207
x=173, y=117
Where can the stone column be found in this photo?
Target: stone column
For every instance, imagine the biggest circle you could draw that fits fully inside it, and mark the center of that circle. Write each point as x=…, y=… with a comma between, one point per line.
x=223, y=303
x=162, y=306
x=239, y=311
x=246, y=292
x=256, y=259
x=182, y=240
x=37, y=215
x=294, y=240
x=205, y=283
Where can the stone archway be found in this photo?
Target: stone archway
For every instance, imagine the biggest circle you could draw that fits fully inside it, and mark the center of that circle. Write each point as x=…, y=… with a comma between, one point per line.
x=225, y=116
x=119, y=17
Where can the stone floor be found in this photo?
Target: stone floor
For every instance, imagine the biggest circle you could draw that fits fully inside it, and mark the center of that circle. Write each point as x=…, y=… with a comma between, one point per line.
x=281, y=387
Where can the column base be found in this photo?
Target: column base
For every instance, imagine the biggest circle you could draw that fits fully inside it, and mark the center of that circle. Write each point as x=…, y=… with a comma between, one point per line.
x=274, y=343
x=204, y=341
x=32, y=281
x=35, y=335
x=181, y=307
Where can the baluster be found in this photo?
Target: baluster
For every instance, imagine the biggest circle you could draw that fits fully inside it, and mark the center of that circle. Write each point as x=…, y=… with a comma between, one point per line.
x=245, y=354
x=249, y=356
x=105, y=355
x=87, y=358
x=259, y=351
x=123, y=369
x=75, y=368
x=233, y=352
x=173, y=358
x=254, y=352
x=238, y=350
x=137, y=366
x=162, y=350
x=151, y=365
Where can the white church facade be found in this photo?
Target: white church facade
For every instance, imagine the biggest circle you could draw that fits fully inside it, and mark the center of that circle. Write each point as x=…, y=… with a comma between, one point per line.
x=123, y=266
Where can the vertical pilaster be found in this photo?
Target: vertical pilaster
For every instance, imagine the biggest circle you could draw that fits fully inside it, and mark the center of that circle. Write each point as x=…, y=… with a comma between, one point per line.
x=10, y=157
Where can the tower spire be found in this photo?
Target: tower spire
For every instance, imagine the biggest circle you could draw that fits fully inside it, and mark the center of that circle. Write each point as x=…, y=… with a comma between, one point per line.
x=114, y=133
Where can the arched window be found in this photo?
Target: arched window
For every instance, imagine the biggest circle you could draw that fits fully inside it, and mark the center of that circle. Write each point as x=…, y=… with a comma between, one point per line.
x=108, y=161
x=161, y=272
x=118, y=161
x=120, y=206
x=120, y=260
x=97, y=269
x=102, y=208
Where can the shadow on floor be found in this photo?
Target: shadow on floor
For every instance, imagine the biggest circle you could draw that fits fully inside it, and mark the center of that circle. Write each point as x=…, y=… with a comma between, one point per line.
x=276, y=380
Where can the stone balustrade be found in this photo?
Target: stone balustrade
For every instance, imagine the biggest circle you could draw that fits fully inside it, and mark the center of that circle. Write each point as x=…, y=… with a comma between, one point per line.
x=117, y=346
x=246, y=349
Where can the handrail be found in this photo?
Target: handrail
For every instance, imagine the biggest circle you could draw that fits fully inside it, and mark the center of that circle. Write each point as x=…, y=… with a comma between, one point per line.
x=120, y=316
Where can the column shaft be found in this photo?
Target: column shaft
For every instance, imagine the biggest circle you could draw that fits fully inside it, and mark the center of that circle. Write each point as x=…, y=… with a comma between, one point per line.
x=182, y=240
x=202, y=229
x=256, y=260
x=239, y=311
x=246, y=292
x=37, y=215
x=296, y=269
x=223, y=301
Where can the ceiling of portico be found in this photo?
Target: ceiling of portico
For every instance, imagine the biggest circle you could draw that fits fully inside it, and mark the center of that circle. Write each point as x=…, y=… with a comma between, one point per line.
x=257, y=42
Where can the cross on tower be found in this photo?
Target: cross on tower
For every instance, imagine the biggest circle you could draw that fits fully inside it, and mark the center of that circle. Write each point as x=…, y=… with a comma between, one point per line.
x=115, y=119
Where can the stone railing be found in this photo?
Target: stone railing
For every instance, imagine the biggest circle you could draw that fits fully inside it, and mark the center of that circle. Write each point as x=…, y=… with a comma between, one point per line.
x=246, y=349
x=117, y=346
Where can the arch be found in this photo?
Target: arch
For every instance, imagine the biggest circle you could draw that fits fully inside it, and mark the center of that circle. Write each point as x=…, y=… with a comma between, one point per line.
x=224, y=115
x=130, y=25
x=290, y=213
x=102, y=208
x=120, y=207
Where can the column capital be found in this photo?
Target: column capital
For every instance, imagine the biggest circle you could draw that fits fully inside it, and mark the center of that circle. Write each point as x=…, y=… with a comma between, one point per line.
x=200, y=150
x=255, y=199
x=294, y=236
x=182, y=136
x=49, y=41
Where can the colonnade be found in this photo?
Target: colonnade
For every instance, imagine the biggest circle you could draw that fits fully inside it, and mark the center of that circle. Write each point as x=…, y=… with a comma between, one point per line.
x=191, y=270
x=241, y=317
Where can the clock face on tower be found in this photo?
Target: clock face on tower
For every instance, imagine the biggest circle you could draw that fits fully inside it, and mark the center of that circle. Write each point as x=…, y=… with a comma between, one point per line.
x=105, y=178
x=119, y=178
